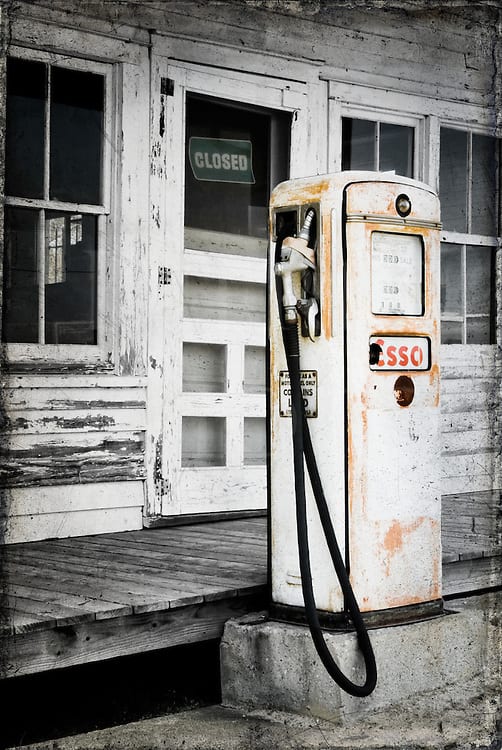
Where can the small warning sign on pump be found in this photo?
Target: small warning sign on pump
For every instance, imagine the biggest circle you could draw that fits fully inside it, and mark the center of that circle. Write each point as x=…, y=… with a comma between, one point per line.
x=308, y=383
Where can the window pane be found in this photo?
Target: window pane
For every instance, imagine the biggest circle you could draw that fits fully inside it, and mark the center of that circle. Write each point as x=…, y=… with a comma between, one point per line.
x=76, y=133
x=451, y=280
x=203, y=441
x=70, y=278
x=396, y=149
x=479, y=330
x=484, y=167
x=453, y=170
x=358, y=144
x=254, y=369
x=255, y=441
x=204, y=368
x=26, y=95
x=219, y=299
x=451, y=332
x=20, y=282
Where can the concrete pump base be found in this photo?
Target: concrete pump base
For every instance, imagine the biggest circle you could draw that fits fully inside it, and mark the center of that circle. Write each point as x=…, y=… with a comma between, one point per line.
x=445, y=661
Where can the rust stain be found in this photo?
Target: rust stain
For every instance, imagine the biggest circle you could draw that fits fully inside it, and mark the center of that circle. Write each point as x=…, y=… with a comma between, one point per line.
x=393, y=540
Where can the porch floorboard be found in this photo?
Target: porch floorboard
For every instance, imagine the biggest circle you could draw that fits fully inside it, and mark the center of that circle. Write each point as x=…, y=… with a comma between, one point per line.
x=70, y=601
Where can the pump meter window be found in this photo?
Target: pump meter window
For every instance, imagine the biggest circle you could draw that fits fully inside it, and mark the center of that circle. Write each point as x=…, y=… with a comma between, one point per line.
x=397, y=271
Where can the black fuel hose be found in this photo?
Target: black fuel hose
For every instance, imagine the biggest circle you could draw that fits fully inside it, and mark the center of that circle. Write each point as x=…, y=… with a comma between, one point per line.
x=302, y=446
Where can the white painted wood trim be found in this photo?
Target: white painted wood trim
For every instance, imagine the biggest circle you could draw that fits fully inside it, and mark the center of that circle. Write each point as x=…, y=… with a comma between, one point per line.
x=224, y=332
x=205, y=490
x=223, y=266
x=222, y=404
x=45, y=31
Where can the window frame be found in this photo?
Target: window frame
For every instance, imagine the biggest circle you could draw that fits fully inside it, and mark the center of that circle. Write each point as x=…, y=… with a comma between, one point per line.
x=96, y=356
x=463, y=240
x=378, y=115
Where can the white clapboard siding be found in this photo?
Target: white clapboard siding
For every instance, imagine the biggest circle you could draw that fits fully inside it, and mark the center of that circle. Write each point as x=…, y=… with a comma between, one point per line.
x=471, y=416
x=71, y=510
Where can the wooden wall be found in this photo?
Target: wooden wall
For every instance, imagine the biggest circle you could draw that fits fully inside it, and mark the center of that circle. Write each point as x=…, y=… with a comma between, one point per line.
x=72, y=455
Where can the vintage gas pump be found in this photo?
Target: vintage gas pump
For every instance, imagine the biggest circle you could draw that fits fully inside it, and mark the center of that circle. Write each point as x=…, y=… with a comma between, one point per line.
x=354, y=404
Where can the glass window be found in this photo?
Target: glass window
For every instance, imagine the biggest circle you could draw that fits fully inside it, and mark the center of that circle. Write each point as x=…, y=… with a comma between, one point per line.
x=379, y=146
x=468, y=193
x=54, y=158
x=467, y=294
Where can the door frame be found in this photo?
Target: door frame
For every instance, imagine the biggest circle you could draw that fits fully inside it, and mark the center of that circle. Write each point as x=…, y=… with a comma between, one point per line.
x=170, y=80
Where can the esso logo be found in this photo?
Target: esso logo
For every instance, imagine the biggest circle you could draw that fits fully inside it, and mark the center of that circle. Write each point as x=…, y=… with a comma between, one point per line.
x=402, y=352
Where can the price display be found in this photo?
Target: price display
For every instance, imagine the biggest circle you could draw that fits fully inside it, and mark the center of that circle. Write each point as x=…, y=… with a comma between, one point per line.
x=397, y=274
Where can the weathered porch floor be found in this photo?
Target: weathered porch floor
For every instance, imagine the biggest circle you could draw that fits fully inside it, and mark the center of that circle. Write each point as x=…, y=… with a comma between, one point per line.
x=70, y=601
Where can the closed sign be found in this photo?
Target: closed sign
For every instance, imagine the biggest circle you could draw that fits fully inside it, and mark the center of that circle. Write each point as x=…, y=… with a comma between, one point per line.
x=402, y=352
x=221, y=160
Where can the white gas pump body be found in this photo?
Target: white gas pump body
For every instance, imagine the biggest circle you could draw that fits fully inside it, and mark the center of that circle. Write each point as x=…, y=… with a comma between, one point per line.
x=377, y=451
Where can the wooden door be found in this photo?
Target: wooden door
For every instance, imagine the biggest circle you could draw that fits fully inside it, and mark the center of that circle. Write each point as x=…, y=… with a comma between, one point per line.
x=208, y=322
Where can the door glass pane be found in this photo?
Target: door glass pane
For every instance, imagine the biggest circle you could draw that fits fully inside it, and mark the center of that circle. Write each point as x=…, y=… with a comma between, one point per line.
x=219, y=299
x=478, y=272
x=358, y=144
x=204, y=368
x=254, y=369
x=451, y=279
x=484, y=170
x=25, y=128
x=203, y=441
x=20, y=277
x=396, y=149
x=452, y=306
x=77, y=99
x=479, y=330
x=70, y=278
x=453, y=170
x=255, y=452
x=227, y=175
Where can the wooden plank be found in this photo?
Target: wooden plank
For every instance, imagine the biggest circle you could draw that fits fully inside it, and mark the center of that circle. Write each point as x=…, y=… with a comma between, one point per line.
x=43, y=593
x=131, y=590
x=57, y=614
x=82, y=457
x=28, y=528
x=157, y=583
x=23, y=501
x=89, y=642
x=147, y=578
x=472, y=575
x=196, y=534
x=24, y=622
x=78, y=394
x=59, y=421
x=175, y=557
x=108, y=602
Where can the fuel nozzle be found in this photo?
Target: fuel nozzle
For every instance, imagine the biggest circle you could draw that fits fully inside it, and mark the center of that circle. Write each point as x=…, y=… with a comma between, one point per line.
x=296, y=256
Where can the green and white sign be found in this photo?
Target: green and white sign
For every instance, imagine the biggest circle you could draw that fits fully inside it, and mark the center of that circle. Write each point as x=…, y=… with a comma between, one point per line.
x=221, y=160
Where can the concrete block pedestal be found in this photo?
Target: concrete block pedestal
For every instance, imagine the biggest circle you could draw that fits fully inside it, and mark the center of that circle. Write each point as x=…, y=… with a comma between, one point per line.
x=443, y=661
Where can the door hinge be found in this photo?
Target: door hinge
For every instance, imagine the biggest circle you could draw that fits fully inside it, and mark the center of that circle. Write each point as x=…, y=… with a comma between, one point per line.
x=164, y=276
x=162, y=486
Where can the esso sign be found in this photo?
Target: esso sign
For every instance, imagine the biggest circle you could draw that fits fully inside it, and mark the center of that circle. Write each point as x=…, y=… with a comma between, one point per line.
x=402, y=352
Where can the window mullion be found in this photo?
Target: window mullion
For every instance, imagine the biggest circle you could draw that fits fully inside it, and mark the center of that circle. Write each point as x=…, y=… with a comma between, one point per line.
x=377, y=146
x=464, y=293
x=41, y=276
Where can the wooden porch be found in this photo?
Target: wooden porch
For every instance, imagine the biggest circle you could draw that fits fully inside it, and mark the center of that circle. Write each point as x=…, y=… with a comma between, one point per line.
x=70, y=601
x=83, y=599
